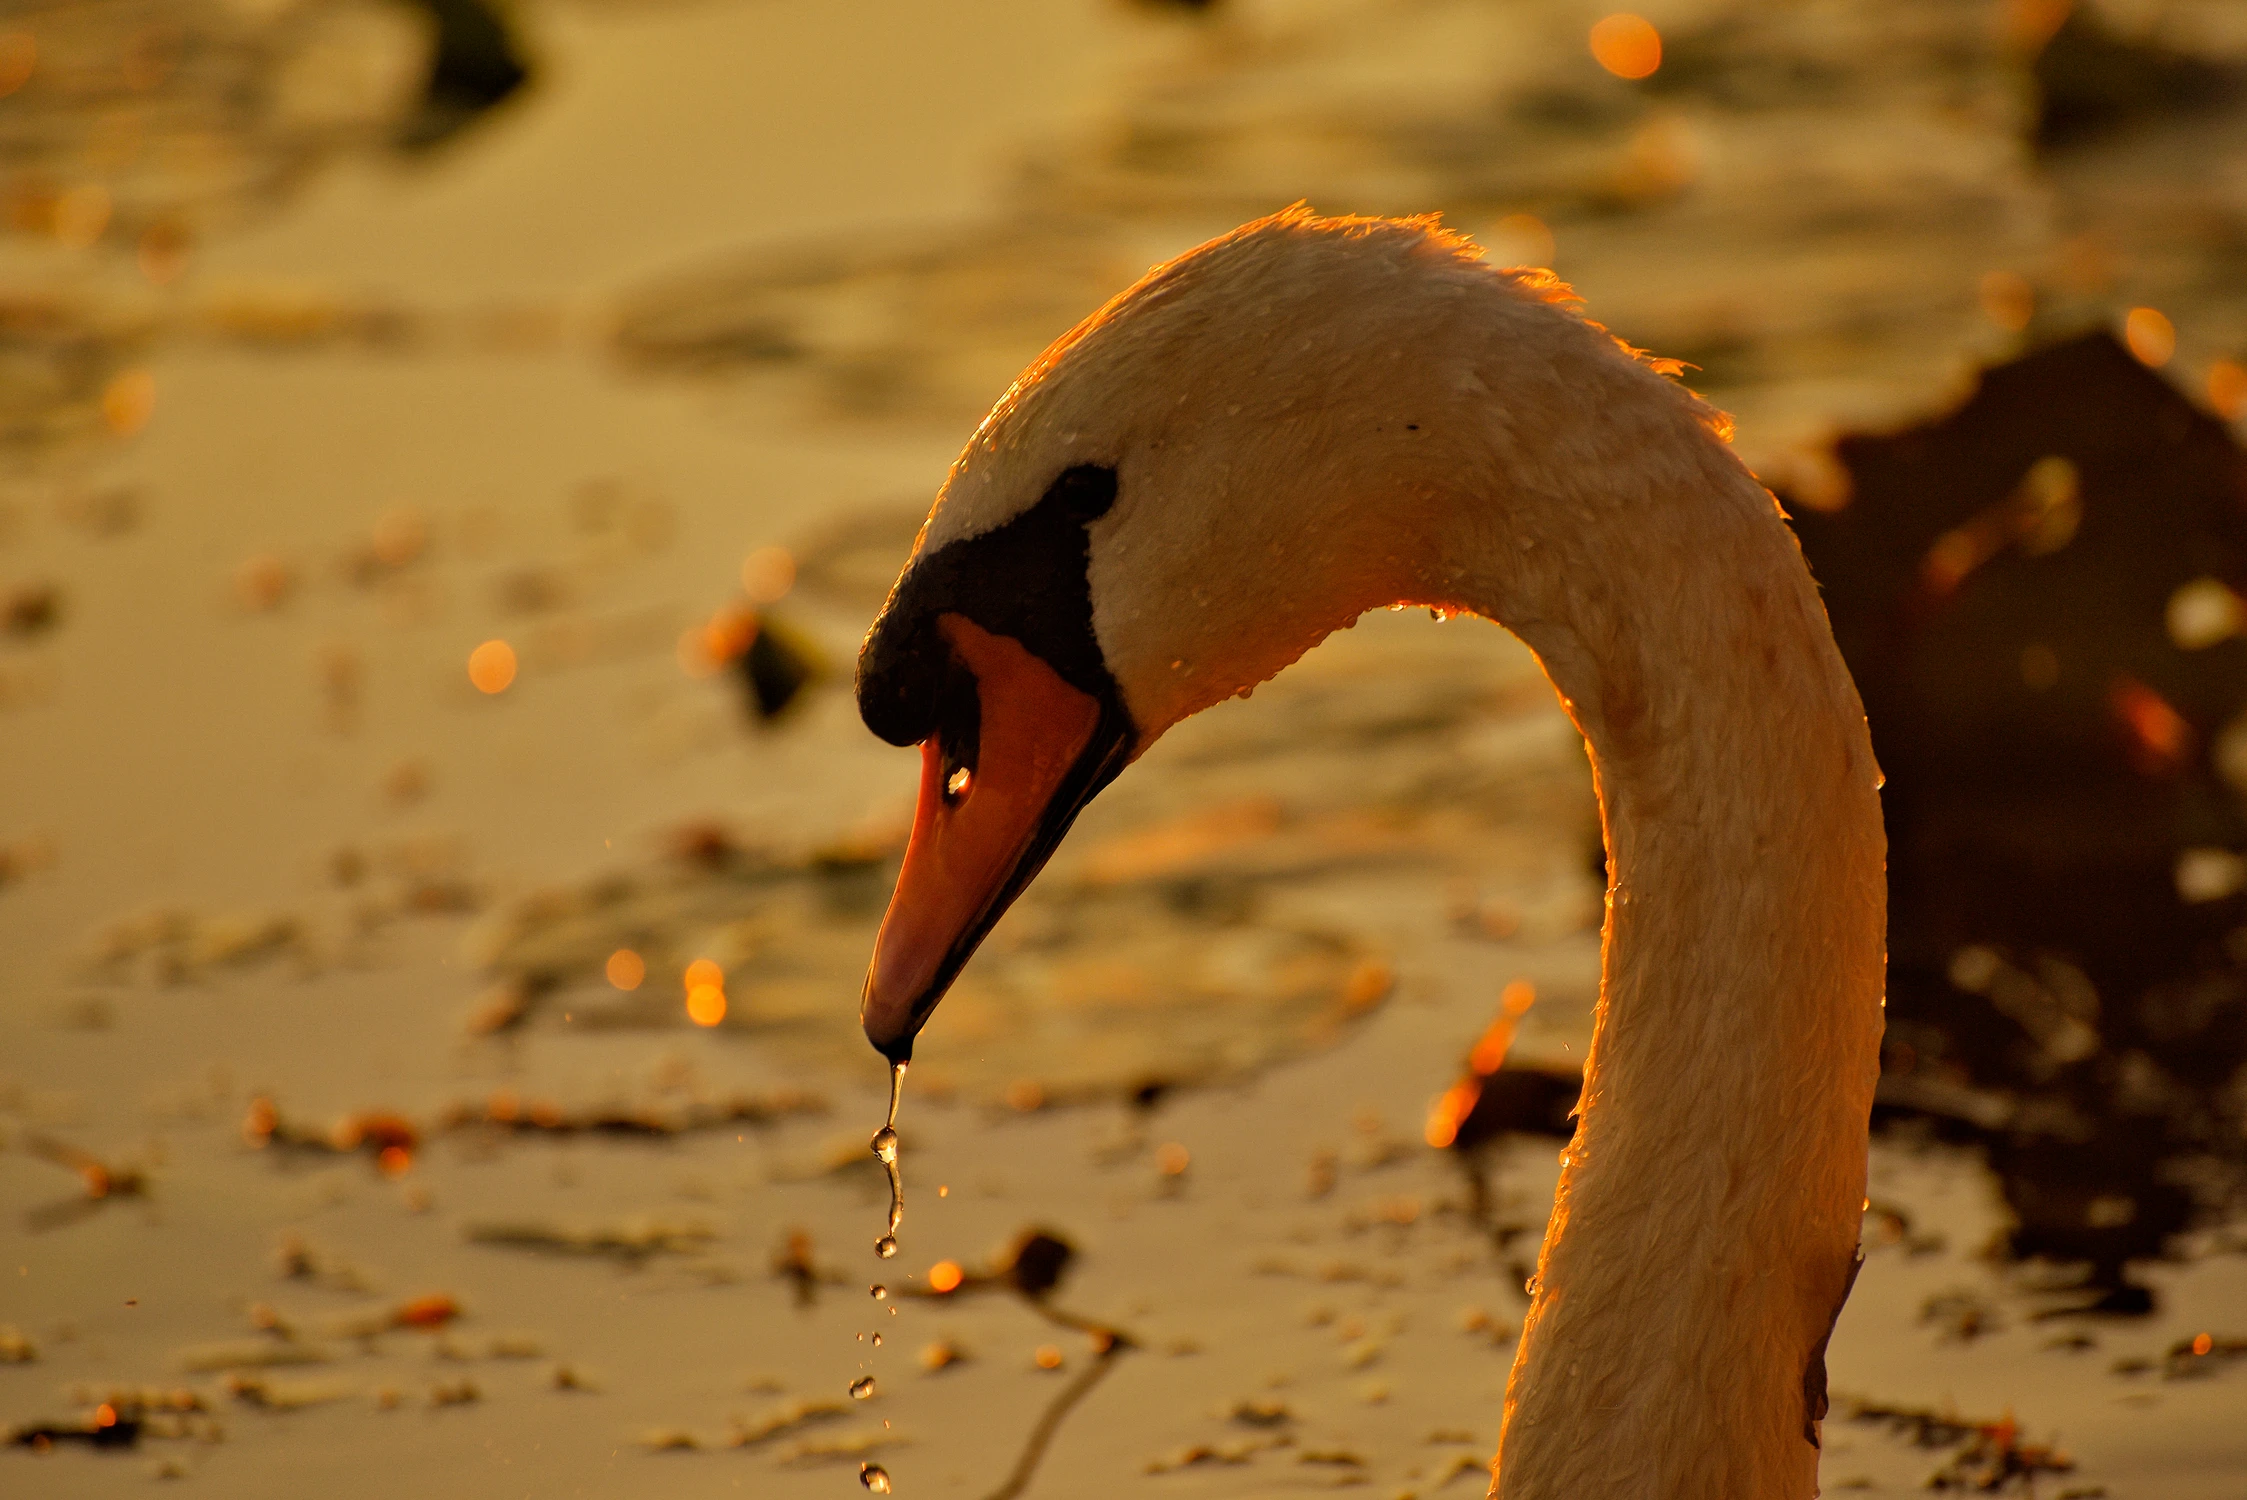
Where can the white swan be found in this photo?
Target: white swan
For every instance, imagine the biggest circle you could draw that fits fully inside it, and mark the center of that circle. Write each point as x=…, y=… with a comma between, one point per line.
x=1310, y=418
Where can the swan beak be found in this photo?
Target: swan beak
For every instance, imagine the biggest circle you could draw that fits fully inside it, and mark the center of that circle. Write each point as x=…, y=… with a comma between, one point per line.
x=980, y=833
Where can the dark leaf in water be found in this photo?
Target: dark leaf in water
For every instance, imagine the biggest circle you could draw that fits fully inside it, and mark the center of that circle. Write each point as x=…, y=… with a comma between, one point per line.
x=2065, y=887
x=776, y=669
x=476, y=63
x=1038, y=1262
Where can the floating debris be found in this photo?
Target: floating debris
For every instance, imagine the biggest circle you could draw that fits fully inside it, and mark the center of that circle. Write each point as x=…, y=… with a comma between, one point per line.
x=30, y=609
x=633, y=1240
x=2202, y=1354
x=1984, y=1457
x=793, y=1263
x=942, y=1354
x=104, y=1182
x=276, y=1395
x=506, y=1110
x=788, y=1417
x=389, y=1140
x=106, y=1428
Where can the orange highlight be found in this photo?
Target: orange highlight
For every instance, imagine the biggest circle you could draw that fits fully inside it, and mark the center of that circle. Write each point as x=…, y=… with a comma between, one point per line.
x=19, y=54
x=128, y=401
x=706, y=1005
x=1450, y=1111
x=2150, y=335
x=2160, y=740
x=2227, y=389
x=491, y=666
x=1626, y=45
x=1452, y=1107
x=626, y=969
x=432, y=1311
x=706, y=992
x=945, y=1277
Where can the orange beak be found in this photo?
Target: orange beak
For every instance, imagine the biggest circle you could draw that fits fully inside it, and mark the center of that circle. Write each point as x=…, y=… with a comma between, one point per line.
x=985, y=824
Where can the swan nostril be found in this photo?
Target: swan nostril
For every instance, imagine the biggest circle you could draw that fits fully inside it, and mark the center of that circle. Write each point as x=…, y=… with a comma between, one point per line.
x=956, y=784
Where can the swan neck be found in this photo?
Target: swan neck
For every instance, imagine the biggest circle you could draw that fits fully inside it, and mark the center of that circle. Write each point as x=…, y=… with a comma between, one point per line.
x=1709, y=1205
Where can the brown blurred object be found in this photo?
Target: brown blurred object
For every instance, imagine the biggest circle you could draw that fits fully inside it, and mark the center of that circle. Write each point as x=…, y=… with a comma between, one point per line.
x=104, y=1182
x=795, y=1264
x=2093, y=80
x=2012, y=585
x=389, y=1139
x=30, y=609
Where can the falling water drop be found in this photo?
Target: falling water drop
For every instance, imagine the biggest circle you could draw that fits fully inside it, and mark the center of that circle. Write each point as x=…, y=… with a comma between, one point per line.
x=878, y=1292
x=862, y=1389
x=877, y=1341
x=885, y=1147
x=874, y=1477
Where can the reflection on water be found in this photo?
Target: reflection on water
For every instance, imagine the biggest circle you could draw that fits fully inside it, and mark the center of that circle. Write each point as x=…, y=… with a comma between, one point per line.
x=2013, y=586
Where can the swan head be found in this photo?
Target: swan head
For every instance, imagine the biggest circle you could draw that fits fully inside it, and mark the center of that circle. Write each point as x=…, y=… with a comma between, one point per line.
x=1250, y=447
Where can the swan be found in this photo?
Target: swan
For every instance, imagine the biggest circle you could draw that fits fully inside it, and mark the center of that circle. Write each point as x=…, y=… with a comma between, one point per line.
x=1309, y=418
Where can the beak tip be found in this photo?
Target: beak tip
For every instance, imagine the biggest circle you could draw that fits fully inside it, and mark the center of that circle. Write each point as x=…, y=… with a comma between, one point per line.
x=881, y=1024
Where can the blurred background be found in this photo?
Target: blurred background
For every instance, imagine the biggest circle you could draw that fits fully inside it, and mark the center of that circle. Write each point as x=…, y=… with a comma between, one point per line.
x=450, y=451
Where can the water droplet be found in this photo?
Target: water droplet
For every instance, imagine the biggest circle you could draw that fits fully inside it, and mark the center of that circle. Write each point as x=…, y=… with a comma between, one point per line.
x=885, y=1147
x=877, y=1291
x=862, y=1389
x=877, y=1341
x=874, y=1477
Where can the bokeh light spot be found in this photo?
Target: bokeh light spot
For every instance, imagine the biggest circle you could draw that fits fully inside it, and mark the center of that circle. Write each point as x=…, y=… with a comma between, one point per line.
x=19, y=54
x=2008, y=300
x=82, y=215
x=491, y=666
x=2203, y=612
x=1520, y=240
x=1626, y=45
x=706, y=1005
x=626, y=969
x=128, y=401
x=2150, y=335
x=945, y=1276
x=2227, y=389
x=767, y=574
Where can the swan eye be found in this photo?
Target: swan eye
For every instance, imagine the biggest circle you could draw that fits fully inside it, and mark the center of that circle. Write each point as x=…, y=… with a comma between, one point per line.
x=957, y=783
